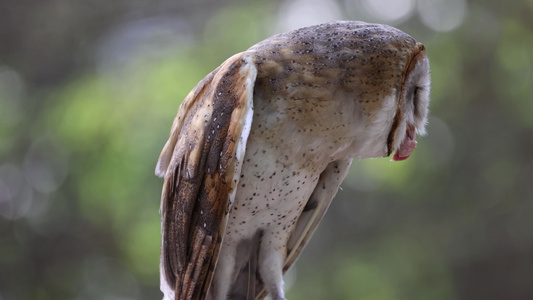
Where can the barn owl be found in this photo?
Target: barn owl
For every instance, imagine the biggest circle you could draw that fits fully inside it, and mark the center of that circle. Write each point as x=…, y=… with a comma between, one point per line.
x=260, y=147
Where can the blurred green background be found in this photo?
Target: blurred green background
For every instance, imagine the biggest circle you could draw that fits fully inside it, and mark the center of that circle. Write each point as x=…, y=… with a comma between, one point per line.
x=88, y=91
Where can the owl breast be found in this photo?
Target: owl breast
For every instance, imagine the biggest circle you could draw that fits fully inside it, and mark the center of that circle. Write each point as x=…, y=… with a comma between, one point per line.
x=290, y=144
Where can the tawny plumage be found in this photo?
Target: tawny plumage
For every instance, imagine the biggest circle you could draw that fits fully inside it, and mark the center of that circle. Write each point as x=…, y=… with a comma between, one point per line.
x=261, y=145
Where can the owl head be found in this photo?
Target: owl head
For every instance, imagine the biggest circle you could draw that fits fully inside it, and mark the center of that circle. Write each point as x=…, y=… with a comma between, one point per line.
x=378, y=74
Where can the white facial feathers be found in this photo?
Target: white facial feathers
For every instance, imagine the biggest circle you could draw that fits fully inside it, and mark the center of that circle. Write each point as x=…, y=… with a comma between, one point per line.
x=416, y=96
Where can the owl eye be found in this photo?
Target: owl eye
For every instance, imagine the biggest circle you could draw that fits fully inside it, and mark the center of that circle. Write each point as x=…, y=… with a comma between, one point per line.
x=416, y=100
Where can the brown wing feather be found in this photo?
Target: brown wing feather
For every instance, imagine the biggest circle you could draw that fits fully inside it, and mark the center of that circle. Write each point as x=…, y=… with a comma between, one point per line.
x=201, y=164
x=317, y=205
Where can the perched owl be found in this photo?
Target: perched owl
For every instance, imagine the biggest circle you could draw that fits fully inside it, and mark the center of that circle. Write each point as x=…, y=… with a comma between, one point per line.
x=260, y=146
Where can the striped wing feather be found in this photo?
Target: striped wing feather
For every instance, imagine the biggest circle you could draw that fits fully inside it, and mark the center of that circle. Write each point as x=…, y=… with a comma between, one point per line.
x=201, y=164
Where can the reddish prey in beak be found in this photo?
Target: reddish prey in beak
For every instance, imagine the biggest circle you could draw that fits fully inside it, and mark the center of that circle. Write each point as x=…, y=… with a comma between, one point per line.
x=407, y=146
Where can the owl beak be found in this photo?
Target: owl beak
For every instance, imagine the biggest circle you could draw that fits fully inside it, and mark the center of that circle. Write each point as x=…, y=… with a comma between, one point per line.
x=407, y=146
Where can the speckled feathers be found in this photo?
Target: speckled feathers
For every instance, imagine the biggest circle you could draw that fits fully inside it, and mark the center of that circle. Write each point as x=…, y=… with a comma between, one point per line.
x=356, y=57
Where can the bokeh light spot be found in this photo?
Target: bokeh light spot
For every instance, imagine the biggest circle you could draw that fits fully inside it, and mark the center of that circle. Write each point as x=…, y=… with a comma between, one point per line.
x=301, y=13
x=442, y=15
x=15, y=197
x=389, y=10
x=46, y=164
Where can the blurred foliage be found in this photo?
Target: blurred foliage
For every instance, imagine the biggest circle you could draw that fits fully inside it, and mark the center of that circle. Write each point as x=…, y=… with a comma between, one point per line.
x=88, y=92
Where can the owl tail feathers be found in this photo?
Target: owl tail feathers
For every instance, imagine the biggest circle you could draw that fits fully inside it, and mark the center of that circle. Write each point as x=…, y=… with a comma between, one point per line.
x=248, y=283
x=407, y=146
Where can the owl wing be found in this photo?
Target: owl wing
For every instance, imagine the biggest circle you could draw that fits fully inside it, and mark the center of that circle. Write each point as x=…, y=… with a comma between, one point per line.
x=317, y=205
x=201, y=165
